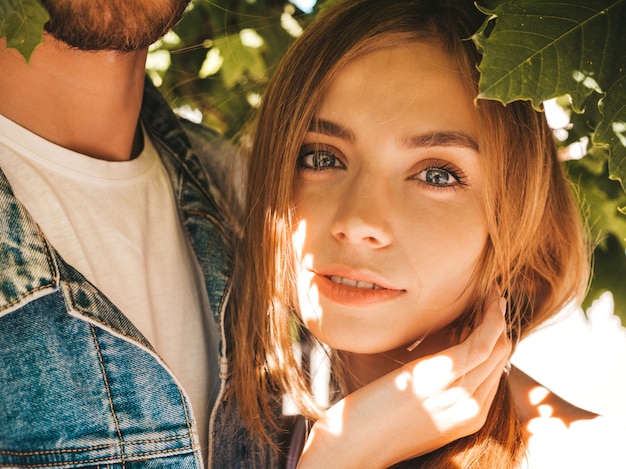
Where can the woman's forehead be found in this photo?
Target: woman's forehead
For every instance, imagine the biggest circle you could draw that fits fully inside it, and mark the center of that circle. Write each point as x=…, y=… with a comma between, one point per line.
x=412, y=85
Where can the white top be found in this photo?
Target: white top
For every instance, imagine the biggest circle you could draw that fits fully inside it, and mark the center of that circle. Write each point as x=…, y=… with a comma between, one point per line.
x=583, y=444
x=117, y=224
x=580, y=356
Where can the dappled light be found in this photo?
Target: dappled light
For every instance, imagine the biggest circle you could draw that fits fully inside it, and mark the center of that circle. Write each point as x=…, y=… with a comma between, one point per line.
x=438, y=369
x=398, y=212
x=619, y=128
x=307, y=290
x=557, y=434
x=577, y=354
x=587, y=80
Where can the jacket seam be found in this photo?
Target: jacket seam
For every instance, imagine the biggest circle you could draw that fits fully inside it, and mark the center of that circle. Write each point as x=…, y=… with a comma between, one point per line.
x=96, y=460
x=26, y=294
x=222, y=372
x=95, y=447
x=189, y=426
x=112, y=407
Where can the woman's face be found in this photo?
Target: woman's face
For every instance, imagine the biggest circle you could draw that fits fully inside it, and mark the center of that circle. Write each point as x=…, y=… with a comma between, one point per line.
x=389, y=201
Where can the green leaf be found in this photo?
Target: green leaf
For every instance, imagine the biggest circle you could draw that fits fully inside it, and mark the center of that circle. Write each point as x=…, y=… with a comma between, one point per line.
x=22, y=22
x=612, y=129
x=239, y=60
x=609, y=268
x=600, y=199
x=541, y=49
x=536, y=50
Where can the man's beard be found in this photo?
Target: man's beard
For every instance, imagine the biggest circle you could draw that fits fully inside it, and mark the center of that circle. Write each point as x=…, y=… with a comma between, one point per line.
x=119, y=25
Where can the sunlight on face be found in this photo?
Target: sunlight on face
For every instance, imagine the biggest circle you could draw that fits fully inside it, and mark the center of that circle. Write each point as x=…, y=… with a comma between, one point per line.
x=308, y=293
x=389, y=201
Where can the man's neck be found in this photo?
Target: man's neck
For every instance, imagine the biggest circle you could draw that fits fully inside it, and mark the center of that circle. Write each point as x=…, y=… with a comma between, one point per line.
x=88, y=102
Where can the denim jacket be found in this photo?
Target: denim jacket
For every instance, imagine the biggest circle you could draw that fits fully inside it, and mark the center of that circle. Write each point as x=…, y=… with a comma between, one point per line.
x=79, y=384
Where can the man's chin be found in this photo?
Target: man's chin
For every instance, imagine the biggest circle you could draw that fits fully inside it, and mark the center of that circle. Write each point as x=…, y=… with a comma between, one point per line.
x=122, y=26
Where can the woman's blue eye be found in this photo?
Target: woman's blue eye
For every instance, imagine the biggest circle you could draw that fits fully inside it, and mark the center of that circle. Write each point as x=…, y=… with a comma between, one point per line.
x=440, y=176
x=318, y=159
x=437, y=176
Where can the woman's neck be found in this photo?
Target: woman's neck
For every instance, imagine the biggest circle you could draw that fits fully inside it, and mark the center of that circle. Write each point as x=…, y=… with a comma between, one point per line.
x=361, y=369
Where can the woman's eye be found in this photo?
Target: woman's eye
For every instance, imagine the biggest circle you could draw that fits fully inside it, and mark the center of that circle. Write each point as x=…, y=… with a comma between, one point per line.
x=317, y=158
x=437, y=177
x=440, y=176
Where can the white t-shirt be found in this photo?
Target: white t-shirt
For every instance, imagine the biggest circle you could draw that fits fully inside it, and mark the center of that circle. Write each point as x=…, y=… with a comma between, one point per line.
x=117, y=224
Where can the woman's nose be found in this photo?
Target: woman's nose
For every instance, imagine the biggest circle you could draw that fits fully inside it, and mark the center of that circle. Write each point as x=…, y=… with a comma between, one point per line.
x=363, y=215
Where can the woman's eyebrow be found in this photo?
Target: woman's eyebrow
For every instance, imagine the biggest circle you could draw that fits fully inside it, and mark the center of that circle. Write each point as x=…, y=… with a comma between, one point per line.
x=440, y=139
x=331, y=129
x=430, y=139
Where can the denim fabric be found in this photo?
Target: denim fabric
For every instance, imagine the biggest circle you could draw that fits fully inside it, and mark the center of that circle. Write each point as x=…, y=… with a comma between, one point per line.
x=79, y=385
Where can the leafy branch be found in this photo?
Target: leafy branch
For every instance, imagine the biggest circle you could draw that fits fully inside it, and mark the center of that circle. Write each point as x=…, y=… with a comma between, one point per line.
x=536, y=50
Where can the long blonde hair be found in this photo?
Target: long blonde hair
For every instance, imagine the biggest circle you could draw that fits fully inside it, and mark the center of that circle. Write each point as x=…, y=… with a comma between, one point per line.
x=536, y=250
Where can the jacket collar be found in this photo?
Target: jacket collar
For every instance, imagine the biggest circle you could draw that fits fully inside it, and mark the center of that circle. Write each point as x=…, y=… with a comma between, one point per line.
x=25, y=256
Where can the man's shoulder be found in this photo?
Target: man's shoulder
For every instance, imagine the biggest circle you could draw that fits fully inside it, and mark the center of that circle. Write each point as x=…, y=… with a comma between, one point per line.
x=186, y=139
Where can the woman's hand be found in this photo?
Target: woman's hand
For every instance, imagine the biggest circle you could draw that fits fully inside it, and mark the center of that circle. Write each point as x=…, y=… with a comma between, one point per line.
x=416, y=408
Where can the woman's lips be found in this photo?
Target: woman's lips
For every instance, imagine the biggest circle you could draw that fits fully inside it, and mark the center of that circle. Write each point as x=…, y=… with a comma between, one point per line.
x=350, y=292
x=354, y=283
